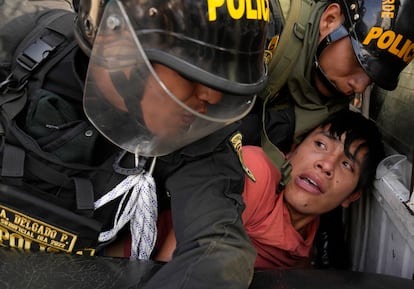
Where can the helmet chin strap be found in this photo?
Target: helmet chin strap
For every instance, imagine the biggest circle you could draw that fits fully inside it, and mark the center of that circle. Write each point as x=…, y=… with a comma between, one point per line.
x=334, y=36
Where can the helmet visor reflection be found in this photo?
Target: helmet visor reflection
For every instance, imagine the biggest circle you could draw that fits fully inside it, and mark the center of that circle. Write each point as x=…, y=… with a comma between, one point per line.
x=132, y=105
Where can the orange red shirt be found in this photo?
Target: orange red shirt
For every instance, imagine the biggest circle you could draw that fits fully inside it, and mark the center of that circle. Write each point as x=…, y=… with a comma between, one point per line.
x=266, y=217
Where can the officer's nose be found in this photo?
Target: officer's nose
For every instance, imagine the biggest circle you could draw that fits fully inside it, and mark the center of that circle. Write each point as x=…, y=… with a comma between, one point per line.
x=359, y=82
x=207, y=94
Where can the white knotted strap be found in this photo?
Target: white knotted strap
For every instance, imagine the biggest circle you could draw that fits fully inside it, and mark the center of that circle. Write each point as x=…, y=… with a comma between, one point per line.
x=140, y=209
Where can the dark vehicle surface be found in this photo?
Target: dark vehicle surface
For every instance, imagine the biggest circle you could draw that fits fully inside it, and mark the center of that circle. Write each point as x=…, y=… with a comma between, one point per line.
x=49, y=270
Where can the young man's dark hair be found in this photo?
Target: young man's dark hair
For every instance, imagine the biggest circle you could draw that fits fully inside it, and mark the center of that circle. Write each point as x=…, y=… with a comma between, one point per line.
x=356, y=127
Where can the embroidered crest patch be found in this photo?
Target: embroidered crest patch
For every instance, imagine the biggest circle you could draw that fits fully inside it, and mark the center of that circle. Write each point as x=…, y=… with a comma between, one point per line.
x=236, y=141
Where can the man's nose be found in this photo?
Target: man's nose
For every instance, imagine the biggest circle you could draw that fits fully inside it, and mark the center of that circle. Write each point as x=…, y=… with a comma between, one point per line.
x=208, y=94
x=326, y=165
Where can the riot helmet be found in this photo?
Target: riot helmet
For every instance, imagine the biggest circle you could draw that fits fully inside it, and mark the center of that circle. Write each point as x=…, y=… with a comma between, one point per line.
x=382, y=36
x=216, y=45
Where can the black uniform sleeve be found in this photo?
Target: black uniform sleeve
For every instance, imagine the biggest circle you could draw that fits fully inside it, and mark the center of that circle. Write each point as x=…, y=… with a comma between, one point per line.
x=213, y=250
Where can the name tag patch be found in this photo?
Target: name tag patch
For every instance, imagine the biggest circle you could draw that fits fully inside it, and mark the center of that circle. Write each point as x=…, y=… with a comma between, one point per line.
x=20, y=231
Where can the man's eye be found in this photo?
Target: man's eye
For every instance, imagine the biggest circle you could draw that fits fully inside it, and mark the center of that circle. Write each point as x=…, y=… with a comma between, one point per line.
x=320, y=144
x=348, y=165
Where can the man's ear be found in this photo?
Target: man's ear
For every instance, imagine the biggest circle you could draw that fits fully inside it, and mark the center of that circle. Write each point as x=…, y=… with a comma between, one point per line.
x=331, y=18
x=293, y=148
x=352, y=198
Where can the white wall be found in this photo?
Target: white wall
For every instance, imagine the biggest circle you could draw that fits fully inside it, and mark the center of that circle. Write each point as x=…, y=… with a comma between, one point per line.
x=381, y=234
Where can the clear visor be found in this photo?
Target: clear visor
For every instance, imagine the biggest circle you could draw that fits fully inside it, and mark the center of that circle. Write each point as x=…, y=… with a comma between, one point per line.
x=149, y=109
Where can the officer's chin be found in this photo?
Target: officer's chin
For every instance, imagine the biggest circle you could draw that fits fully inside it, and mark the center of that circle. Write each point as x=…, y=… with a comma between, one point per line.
x=328, y=91
x=321, y=88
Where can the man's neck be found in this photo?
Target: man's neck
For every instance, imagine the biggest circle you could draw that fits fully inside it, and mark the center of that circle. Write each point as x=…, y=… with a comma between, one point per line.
x=300, y=221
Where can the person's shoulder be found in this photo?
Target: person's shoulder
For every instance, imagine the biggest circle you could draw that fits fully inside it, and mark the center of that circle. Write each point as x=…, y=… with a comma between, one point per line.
x=22, y=27
x=255, y=155
x=213, y=144
x=259, y=192
x=259, y=164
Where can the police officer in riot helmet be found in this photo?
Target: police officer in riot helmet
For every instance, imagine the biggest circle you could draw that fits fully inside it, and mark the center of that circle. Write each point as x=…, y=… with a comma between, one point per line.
x=162, y=75
x=134, y=39
x=346, y=45
x=381, y=35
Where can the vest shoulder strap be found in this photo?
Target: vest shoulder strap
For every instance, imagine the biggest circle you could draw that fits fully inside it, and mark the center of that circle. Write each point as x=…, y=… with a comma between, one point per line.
x=281, y=63
x=288, y=47
x=35, y=55
x=46, y=42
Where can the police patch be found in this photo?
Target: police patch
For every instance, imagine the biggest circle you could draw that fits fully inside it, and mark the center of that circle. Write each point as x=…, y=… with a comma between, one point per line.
x=18, y=230
x=236, y=141
x=271, y=49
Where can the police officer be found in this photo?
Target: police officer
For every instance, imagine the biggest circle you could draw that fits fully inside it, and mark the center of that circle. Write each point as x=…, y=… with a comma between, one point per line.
x=168, y=81
x=346, y=45
x=343, y=47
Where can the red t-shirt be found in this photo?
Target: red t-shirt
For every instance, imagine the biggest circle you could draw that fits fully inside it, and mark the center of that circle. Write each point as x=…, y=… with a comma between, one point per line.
x=266, y=218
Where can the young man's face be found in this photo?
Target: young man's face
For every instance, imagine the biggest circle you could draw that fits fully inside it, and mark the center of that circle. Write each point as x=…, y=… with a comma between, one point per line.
x=323, y=176
x=338, y=60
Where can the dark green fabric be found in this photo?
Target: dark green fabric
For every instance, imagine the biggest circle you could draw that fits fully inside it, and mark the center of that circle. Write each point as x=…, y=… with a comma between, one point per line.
x=310, y=107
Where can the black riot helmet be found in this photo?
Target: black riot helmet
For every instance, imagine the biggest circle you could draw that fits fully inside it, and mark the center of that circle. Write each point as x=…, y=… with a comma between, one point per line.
x=219, y=44
x=382, y=35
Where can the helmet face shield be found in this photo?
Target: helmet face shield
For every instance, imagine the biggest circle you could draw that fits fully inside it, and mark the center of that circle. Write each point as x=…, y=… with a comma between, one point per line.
x=203, y=42
x=150, y=97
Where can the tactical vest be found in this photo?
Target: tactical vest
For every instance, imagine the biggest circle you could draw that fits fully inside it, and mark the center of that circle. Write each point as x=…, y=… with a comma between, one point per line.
x=49, y=178
x=282, y=53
